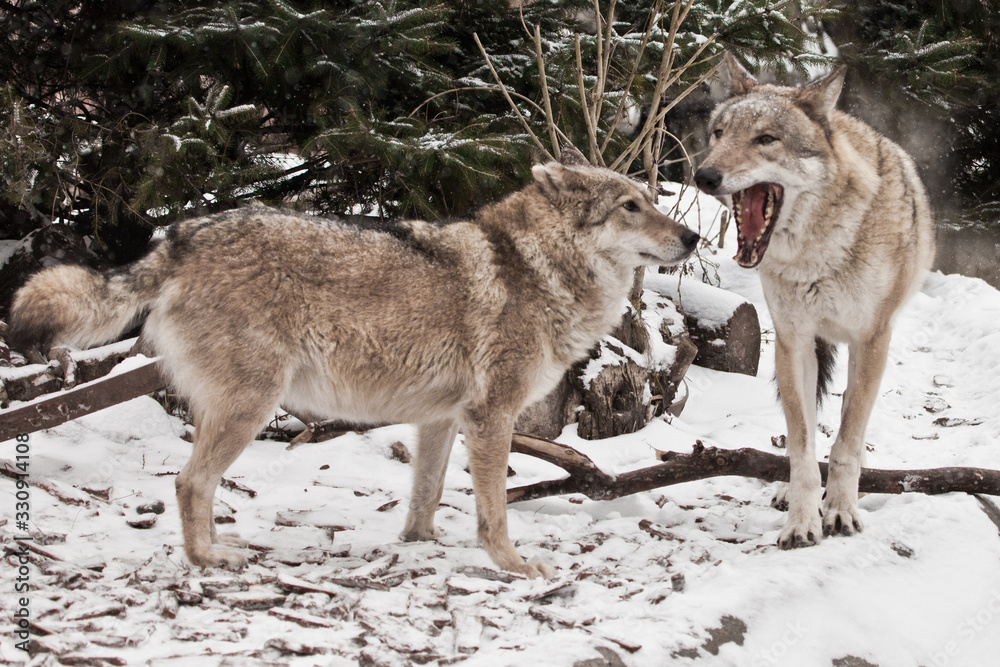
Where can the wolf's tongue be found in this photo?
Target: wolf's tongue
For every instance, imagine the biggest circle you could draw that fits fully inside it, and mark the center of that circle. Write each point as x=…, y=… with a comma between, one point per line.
x=751, y=223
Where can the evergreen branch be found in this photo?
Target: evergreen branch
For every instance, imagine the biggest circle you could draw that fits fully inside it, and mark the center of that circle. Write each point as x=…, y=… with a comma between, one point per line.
x=510, y=101
x=479, y=88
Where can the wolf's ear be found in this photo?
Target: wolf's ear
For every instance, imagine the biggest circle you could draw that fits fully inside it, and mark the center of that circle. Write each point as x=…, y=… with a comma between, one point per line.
x=570, y=156
x=556, y=181
x=819, y=99
x=741, y=81
x=548, y=176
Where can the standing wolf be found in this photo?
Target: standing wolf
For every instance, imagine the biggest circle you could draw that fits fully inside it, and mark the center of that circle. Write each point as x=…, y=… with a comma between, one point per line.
x=452, y=327
x=837, y=218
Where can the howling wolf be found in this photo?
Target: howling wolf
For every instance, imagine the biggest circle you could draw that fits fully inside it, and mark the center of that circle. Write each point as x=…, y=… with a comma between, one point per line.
x=453, y=327
x=837, y=219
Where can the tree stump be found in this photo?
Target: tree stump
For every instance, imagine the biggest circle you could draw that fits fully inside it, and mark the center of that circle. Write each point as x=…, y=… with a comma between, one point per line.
x=632, y=376
x=666, y=383
x=547, y=418
x=615, y=400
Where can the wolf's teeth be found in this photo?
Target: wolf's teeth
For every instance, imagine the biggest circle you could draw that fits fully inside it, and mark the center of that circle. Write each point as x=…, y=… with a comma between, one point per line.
x=753, y=257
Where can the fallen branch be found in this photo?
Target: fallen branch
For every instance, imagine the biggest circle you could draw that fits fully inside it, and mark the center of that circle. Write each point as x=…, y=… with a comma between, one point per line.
x=704, y=462
x=584, y=477
x=328, y=430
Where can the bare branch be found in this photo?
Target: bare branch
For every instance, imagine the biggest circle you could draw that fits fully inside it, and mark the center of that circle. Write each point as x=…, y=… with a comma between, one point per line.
x=651, y=23
x=595, y=155
x=703, y=463
x=640, y=142
x=629, y=154
x=546, y=101
x=510, y=101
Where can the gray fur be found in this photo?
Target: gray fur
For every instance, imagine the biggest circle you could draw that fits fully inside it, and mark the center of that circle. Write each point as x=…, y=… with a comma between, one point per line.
x=852, y=238
x=457, y=326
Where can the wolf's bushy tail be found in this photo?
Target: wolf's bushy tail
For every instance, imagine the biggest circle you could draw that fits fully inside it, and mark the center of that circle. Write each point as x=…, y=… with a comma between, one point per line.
x=74, y=305
x=826, y=363
x=826, y=360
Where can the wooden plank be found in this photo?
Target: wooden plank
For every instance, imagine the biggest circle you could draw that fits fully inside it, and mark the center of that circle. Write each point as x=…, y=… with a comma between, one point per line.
x=61, y=407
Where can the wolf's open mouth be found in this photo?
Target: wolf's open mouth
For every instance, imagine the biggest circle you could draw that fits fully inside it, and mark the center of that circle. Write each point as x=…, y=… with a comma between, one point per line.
x=755, y=209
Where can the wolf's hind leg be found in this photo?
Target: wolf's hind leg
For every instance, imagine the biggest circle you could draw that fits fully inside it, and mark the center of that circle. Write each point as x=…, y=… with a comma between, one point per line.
x=220, y=437
x=433, y=450
x=864, y=375
x=228, y=539
x=780, y=500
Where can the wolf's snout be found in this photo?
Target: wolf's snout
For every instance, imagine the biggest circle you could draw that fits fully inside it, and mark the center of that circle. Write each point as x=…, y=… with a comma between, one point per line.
x=708, y=179
x=690, y=238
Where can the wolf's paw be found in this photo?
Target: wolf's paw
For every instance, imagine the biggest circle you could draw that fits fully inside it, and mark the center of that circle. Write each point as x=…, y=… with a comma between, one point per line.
x=842, y=521
x=423, y=534
x=803, y=533
x=226, y=560
x=231, y=540
x=535, y=569
x=780, y=500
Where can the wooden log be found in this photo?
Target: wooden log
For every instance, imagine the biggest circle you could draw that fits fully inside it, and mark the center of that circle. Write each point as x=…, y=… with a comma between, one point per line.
x=320, y=431
x=28, y=382
x=724, y=326
x=57, y=409
x=705, y=462
x=734, y=347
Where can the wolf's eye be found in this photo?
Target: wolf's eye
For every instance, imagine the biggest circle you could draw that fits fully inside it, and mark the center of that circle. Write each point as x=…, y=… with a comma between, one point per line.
x=765, y=139
x=717, y=134
x=631, y=206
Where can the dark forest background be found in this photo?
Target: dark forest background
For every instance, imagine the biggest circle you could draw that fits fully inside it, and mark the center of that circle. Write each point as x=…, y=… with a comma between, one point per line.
x=121, y=116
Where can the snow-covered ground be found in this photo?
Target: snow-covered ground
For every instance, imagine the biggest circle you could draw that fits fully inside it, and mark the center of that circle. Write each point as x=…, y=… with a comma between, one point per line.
x=703, y=585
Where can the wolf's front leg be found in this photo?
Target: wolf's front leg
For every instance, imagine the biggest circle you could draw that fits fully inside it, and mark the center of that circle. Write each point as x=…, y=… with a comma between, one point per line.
x=433, y=450
x=796, y=367
x=864, y=375
x=489, y=445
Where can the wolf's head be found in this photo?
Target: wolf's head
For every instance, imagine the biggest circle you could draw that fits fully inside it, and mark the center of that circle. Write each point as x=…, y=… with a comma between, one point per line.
x=614, y=215
x=767, y=145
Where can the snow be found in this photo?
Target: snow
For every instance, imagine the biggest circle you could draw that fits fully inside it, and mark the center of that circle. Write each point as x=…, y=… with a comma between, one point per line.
x=714, y=307
x=7, y=249
x=920, y=586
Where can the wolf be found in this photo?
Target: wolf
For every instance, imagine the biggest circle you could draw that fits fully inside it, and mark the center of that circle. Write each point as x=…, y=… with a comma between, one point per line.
x=452, y=327
x=837, y=220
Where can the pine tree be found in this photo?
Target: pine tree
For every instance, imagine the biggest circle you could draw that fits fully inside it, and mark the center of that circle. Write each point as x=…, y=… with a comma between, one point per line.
x=120, y=116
